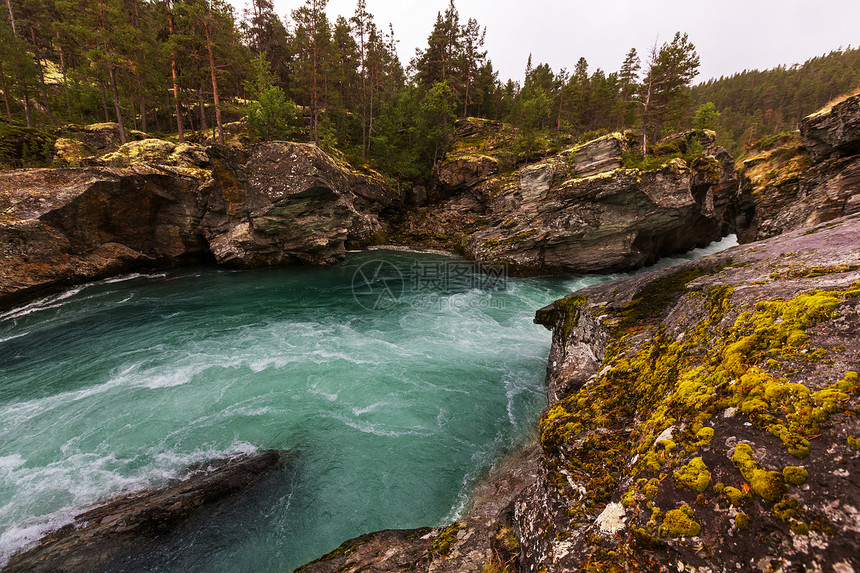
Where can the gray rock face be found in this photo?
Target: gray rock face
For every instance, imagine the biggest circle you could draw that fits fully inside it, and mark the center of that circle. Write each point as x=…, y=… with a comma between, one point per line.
x=597, y=156
x=282, y=203
x=114, y=529
x=579, y=210
x=800, y=181
x=834, y=131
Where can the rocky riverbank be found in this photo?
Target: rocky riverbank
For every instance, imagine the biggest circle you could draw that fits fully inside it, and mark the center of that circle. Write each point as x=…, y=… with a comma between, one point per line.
x=110, y=531
x=152, y=203
x=588, y=208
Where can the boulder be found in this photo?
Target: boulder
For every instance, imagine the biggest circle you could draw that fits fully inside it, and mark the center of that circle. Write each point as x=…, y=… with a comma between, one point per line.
x=103, y=137
x=71, y=152
x=597, y=156
x=101, y=535
x=465, y=171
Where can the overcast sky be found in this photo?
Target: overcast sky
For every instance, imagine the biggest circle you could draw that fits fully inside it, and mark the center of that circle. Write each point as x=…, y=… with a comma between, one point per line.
x=730, y=35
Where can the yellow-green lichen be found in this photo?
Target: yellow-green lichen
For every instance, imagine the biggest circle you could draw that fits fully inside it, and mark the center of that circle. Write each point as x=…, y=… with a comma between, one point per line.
x=742, y=521
x=795, y=475
x=680, y=523
x=441, y=544
x=767, y=484
x=736, y=496
x=694, y=475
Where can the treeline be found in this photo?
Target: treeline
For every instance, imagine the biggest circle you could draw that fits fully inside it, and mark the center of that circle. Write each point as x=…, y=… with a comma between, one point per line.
x=189, y=66
x=754, y=104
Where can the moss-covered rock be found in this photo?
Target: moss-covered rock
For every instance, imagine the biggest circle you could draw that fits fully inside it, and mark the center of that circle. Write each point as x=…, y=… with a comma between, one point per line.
x=700, y=407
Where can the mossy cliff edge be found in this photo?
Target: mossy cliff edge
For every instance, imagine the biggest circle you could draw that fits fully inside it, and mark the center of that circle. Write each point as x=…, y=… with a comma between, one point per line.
x=705, y=417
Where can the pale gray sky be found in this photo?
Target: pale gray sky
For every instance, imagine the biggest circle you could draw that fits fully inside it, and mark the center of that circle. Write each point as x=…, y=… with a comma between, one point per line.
x=730, y=35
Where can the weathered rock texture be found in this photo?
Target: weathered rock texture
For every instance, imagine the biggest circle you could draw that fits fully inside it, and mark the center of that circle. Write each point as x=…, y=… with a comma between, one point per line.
x=704, y=417
x=579, y=210
x=800, y=180
x=112, y=530
x=165, y=204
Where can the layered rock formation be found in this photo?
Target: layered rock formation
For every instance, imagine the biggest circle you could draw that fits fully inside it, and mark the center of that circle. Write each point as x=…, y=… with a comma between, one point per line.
x=165, y=204
x=100, y=536
x=800, y=180
x=579, y=210
x=701, y=418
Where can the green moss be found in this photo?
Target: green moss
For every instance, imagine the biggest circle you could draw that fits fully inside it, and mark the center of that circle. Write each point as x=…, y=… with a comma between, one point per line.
x=683, y=382
x=680, y=523
x=767, y=484
x=795, y=475
x=736, y=496
x=742, y=521
x=799, y=528
x=694, y=475
x=441, y=544
x=786, y=509
x=566, y=308
x=652, y=300
x=854, y=442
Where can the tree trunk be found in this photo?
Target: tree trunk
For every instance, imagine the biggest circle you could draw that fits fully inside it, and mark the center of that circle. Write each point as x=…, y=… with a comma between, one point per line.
x=115, y=93
x=202, y=108
x=11, y=18
x=208, y=33
x=104, y=102
x=175, y=76
x=41, y=74
x=5, y=95
x=65, y=81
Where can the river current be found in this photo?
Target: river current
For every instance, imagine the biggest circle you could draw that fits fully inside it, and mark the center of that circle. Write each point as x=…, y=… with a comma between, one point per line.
x=396, y=380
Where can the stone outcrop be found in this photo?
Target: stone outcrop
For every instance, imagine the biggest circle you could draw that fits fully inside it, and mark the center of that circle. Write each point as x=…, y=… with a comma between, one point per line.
x=580, y=210
x=834, y=130
x=167, y=204
x=701, y=418
x=799, y=180
x=704, y=417
x=112, y=530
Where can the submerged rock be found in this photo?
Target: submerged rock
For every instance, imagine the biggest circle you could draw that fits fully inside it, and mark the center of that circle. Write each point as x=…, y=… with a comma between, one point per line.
x=112, y=530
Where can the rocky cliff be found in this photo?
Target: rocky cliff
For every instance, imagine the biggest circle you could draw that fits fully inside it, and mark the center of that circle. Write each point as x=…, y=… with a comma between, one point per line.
x=799, y=180
x=587, y=208
x=701, y=418
x=153, y=203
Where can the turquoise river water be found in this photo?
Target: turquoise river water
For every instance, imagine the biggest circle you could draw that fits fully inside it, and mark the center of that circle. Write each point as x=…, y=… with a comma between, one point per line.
x=396, y=380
